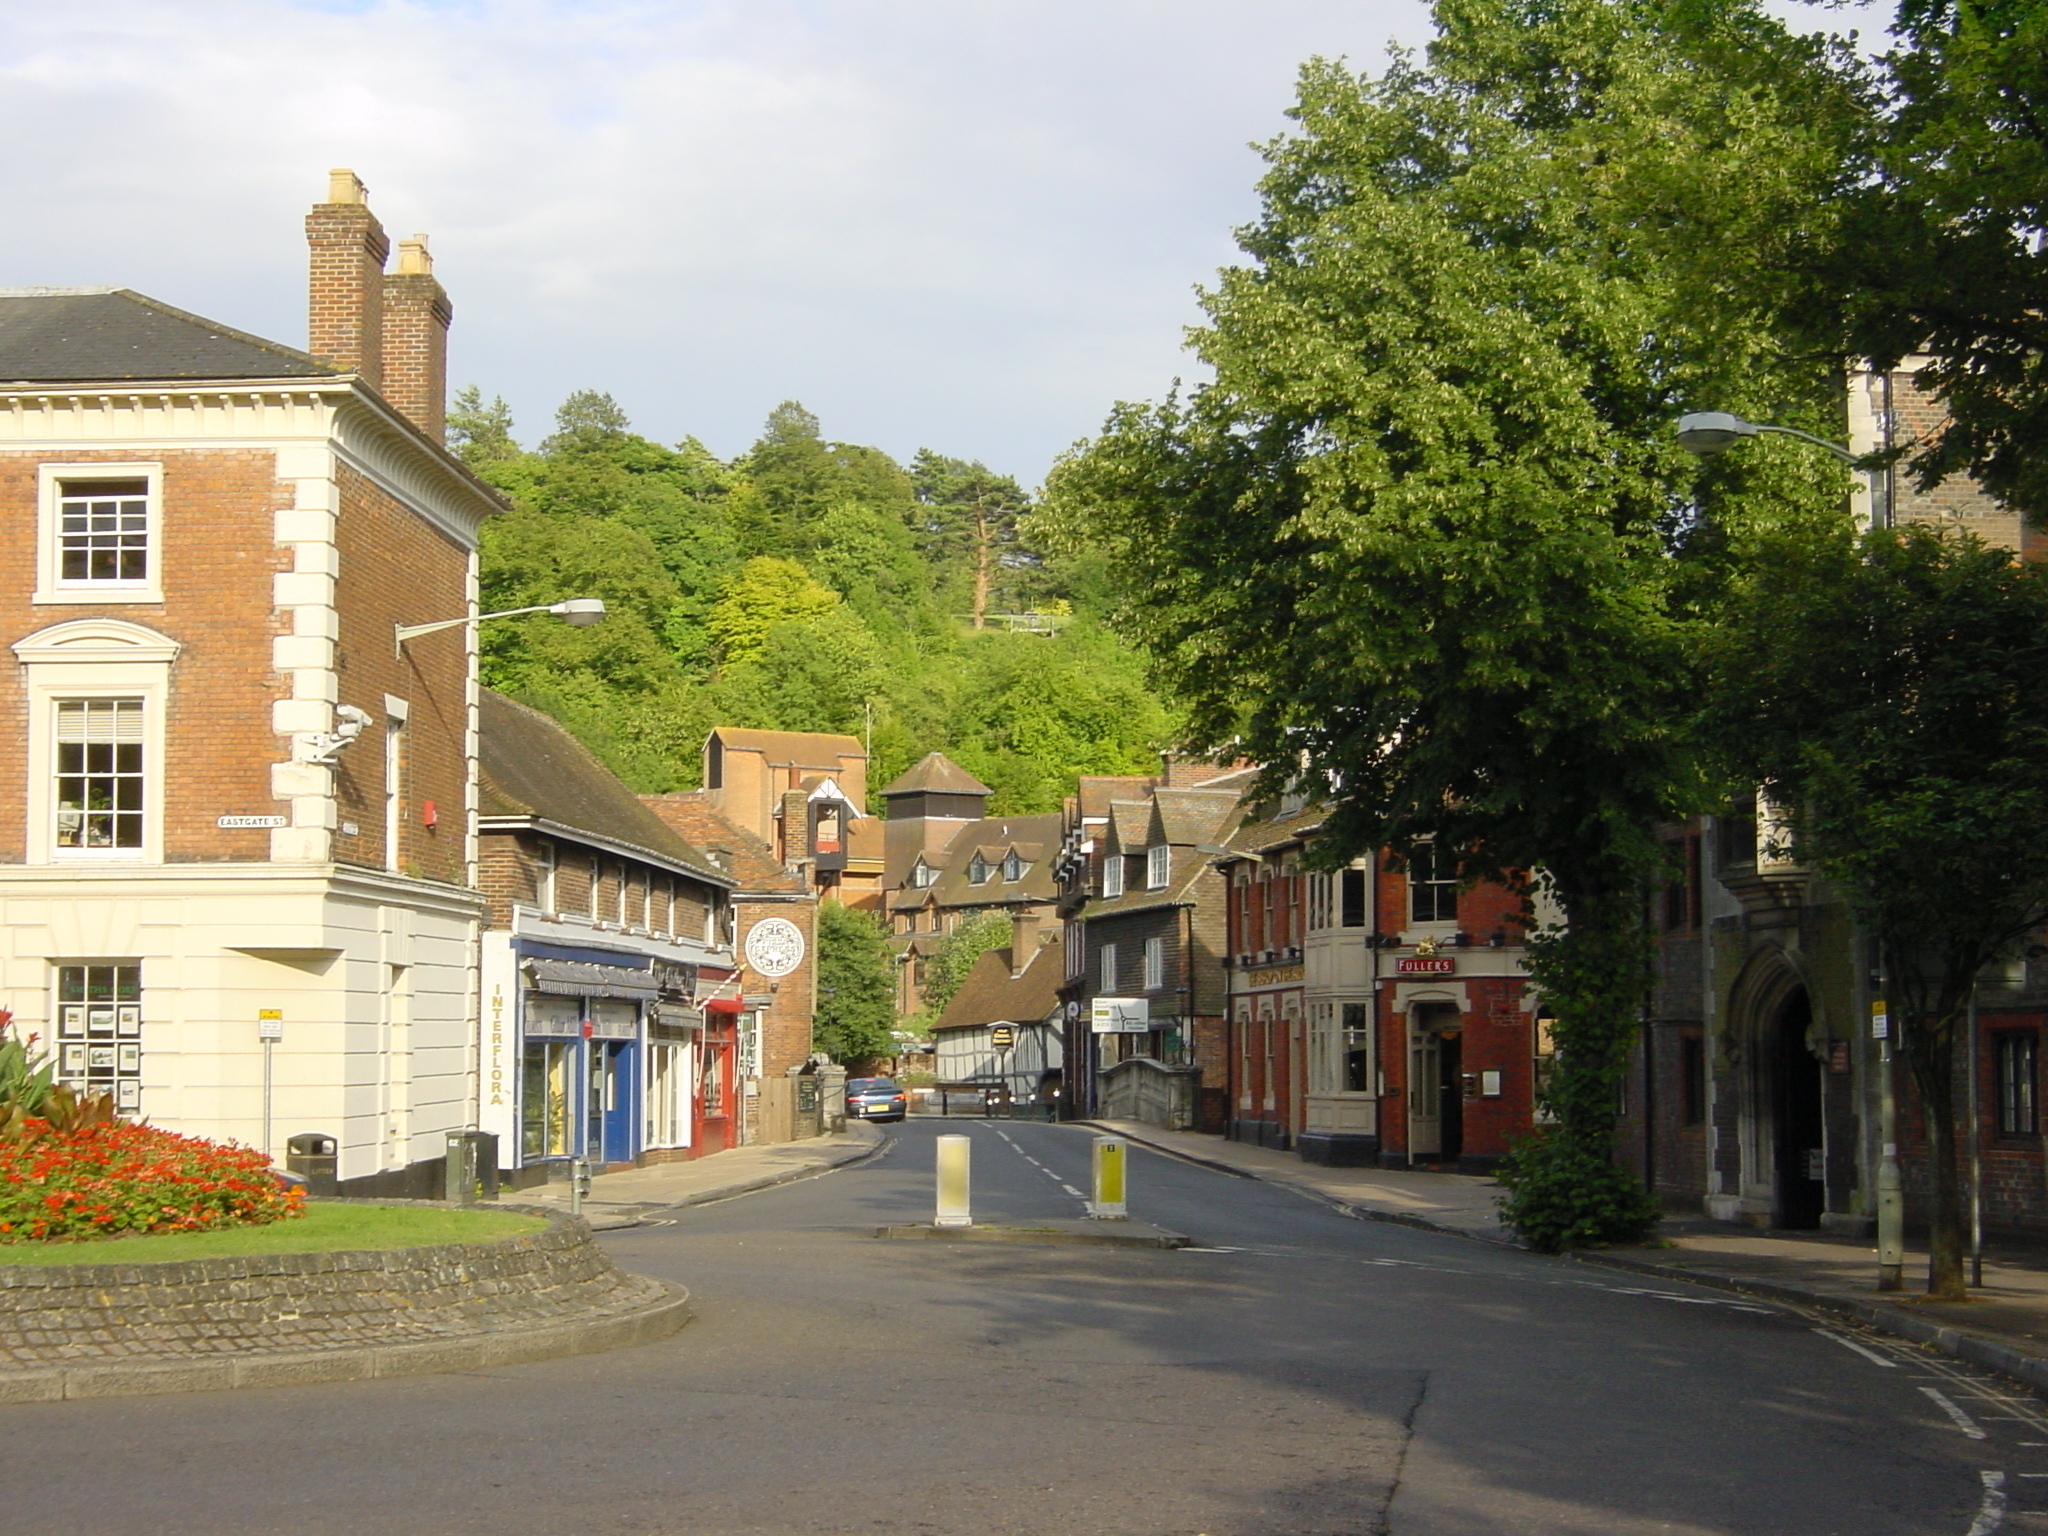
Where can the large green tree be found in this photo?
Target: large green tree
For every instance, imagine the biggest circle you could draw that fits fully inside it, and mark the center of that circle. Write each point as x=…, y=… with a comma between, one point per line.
x=1887, y=694
x=1425, y=544
x=1941, y=248
x=856, y=1011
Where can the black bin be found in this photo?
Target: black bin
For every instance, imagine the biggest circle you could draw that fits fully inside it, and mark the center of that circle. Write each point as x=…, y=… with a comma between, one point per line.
x=312, y=1154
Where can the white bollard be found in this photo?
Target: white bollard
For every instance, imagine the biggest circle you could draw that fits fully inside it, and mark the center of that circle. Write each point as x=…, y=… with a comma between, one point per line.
x=1108, y=1204
x=952, y=1163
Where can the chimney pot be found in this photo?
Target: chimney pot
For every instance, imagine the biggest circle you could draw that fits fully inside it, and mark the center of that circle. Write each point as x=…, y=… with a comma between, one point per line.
x=414, y=259
x=344, y=186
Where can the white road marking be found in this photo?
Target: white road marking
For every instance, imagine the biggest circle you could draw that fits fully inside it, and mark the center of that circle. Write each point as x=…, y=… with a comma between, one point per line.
x=1073, y=1191
x=1192, y=1249
x=1869, y=1354
x=1962, y=1420
x=1991, y=1513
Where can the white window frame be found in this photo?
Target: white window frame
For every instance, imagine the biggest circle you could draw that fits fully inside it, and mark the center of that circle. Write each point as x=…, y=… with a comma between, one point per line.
x=1158, y=866
x=1106, y=961
x=50, y=585
x=1112, y=875
x=94, y=659
x=544, y=877
x=1155, y=964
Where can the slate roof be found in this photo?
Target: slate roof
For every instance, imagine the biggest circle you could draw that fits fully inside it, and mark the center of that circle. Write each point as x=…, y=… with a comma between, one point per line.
x=112, y=335
x=742, y=855
x=1277, y=829
x=532, y=769
x=990, y=995
x=937, y=773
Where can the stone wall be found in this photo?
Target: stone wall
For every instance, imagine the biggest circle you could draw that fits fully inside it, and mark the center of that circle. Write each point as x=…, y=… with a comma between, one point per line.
x=301, y=1306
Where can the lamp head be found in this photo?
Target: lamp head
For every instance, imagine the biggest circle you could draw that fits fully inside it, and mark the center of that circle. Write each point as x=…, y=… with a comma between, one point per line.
x=1707, y=433
x=579, y=611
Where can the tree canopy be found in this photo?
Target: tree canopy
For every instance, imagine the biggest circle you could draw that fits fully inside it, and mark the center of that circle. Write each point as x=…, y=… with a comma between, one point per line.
x=807, y=585
x=1425, y=545
x=856, y=1008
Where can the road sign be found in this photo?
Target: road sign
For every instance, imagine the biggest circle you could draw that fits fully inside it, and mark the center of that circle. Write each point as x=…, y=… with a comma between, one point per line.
x=1119, y=1015
x=270, y=1024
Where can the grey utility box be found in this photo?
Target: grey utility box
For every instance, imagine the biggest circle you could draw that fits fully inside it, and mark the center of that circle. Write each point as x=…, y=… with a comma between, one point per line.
x=471, y=1171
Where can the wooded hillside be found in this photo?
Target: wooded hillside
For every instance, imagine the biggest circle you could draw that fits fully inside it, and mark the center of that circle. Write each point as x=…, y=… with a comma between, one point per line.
x=807, y=585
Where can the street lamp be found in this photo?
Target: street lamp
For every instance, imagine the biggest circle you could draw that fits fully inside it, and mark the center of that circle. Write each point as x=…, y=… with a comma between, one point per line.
x=1707, y=433
x=582, y=612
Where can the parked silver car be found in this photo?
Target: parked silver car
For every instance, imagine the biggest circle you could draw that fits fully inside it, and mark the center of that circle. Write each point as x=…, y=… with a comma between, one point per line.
x=875, y=1098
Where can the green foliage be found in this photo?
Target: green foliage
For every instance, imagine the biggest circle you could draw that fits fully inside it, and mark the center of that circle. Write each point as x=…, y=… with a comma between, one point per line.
x=801, y=588
x=1565, y=1193
x=1886, y=692
x=856, y=1011
x=1426, y=544
x=954, y=958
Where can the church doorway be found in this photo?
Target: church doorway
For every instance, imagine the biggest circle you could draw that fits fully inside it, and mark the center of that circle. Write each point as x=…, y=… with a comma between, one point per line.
x=1800, y=1140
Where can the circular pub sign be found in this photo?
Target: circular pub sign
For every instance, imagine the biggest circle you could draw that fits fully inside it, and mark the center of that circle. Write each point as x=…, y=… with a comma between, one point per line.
x=775, y=947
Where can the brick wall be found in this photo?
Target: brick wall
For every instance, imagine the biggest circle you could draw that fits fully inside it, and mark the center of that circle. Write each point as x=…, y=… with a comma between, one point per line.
x=397, y=568
x=217, y=556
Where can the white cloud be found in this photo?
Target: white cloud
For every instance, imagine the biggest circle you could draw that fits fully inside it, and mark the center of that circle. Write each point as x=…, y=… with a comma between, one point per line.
x=968, y=224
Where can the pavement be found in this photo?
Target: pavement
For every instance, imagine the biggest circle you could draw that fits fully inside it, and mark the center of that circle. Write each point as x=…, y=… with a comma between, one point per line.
x=629, y=1197
x=2003, y=1326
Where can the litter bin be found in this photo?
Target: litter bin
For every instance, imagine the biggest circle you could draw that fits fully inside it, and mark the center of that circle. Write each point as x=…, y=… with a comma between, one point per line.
x=471, y=1170
x=312, y=1154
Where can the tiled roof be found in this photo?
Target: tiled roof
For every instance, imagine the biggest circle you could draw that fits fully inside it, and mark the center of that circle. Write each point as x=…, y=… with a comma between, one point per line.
x=1192, y=815
x=1094, y=792
x=993, y=837
x=1276, y=830
x=739, y=852
x=532, y=768
x=90, y=335
x=991, y=995
x=792, y=749
x=937, y=773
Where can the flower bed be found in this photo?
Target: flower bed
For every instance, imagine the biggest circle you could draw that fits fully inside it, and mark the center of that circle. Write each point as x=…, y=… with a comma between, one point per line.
x=98, y=1180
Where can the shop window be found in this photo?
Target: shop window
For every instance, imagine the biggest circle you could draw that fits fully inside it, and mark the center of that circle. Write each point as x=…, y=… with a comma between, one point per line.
x=1354, y=1048
x=544, y=1102
x=2013, y=1065
x=99, y=1030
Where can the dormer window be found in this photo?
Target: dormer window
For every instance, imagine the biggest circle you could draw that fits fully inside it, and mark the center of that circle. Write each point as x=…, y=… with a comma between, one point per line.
x=977, y=871
x=1158, y=866
x=1013, y=867
x=921, y=875
x=1112, y=874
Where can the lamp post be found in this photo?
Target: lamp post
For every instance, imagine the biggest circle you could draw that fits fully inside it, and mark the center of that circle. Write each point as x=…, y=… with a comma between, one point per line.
x=581, y=612
x=1707, y=433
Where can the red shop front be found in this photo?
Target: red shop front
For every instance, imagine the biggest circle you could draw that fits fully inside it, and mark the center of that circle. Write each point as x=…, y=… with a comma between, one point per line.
x=715, y=1109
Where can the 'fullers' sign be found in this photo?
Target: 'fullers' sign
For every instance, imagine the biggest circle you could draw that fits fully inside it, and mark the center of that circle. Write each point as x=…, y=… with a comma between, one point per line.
x=1426, y=965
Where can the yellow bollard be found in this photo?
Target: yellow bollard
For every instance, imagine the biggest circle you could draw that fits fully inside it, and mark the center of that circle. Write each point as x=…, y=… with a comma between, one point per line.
x=1108, y=1204
x=952, y=1164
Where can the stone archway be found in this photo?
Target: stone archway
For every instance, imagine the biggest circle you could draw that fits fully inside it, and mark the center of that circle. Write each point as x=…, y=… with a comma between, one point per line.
x=1768, y=1074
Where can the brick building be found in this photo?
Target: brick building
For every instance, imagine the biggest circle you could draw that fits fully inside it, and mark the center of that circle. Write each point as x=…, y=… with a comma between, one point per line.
x=610, y=1004
x=1380, y=1013
x=775, y=920
x=805, y=795
x=237, y=795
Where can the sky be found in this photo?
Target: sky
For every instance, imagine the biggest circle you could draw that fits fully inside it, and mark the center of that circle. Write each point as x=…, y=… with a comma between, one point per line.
x=968, y=225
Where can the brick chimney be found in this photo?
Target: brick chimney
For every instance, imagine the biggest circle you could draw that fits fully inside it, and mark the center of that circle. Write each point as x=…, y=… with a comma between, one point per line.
x=416, y=316
x=1023, y=940
x=347, y=291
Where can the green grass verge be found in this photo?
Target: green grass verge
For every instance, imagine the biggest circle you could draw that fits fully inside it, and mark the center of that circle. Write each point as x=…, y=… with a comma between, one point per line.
x=325, y=1228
